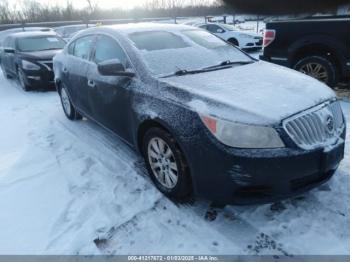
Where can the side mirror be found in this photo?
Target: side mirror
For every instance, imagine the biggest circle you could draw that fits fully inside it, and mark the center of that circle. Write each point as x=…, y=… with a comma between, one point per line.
x=113, y=68
x=9, y=50
x=220, y=31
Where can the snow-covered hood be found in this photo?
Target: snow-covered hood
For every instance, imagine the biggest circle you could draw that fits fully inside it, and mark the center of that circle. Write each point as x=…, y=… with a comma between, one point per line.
x=259, y=93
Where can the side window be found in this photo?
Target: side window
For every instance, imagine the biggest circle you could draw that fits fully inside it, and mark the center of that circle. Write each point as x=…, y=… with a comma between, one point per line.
x=204, y=27
x=214, y=29
x=71, y=48
x=82, y=47
x=107, y=48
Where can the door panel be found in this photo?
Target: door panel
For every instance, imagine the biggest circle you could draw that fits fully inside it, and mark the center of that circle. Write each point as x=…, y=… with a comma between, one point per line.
x=76, y=75
x=75, y=72
x=110, y=95
x=7, y=58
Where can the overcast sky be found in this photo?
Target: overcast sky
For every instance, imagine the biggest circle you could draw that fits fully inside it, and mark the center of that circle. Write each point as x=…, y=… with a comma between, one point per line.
x=103, y=4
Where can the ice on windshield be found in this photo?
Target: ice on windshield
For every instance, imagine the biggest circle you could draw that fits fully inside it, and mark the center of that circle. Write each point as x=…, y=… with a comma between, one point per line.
x=32, y=44
x=167, y=52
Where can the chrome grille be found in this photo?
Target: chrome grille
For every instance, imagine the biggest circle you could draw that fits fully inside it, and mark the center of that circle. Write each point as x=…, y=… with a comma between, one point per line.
x=317, y=127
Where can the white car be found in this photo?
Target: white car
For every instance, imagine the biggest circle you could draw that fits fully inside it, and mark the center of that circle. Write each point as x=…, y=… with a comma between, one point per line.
x=242, y=39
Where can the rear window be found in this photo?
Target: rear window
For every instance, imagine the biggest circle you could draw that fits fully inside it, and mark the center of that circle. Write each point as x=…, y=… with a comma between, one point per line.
x=32, y=44
x=157, y=40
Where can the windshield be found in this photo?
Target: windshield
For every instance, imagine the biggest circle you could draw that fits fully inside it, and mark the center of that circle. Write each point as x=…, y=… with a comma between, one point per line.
x=32, y=44
x=167, y=52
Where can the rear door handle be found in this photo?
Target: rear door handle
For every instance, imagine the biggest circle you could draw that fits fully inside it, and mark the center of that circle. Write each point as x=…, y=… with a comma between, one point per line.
x=65, y=70
x=91, y=83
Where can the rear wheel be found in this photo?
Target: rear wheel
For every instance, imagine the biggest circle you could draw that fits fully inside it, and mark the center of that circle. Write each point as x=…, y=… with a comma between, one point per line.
x=166, y=164
x=319, y=67
x=67, y=106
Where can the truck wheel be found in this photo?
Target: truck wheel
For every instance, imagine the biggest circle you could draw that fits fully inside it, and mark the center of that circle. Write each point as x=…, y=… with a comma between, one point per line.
x=166, y=164
x=233, y=41
x=320, y=68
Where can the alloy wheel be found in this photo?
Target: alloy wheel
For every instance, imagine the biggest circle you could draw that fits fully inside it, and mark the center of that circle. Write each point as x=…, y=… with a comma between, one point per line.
x=163, y=164
x=315, y=70
x=21, y=80
x=65, y=102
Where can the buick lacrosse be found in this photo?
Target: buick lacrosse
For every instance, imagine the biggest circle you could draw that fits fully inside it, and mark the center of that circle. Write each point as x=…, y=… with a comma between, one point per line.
x=209, y=120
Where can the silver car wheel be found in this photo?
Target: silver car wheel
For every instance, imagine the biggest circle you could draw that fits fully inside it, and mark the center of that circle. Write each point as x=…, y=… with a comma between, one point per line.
x=163, y=164
x=66, y=102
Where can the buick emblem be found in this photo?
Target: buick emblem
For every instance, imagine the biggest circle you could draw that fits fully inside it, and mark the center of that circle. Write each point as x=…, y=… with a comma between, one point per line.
x=330, y=124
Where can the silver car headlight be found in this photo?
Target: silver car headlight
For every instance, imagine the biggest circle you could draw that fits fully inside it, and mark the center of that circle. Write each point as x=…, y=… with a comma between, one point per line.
x=26, y=65
x=243, y=136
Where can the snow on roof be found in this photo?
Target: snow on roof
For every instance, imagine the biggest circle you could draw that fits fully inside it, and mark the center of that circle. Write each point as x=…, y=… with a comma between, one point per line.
x=140, y=27
x=33, y=34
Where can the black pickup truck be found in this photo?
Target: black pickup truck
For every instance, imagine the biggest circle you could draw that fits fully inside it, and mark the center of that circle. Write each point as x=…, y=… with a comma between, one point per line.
x=317, y=46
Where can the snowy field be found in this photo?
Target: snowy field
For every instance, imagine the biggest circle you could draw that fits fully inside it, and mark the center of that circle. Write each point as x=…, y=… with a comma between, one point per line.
x=73, y=188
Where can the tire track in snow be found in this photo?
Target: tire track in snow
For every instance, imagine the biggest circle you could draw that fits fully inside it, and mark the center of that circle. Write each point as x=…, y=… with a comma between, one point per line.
x=230, y=229
x=100, y=154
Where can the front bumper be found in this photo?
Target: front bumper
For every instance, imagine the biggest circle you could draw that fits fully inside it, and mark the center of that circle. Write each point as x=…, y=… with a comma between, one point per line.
x=255, y=44
x=235, y=176
x=39, y=78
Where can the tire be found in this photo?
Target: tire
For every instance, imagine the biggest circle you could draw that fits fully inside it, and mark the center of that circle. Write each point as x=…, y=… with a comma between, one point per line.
x=233, y=41
x=169, y=173
x=68, y=108
x=319, y=67
x=22, y=80
x=6, y=75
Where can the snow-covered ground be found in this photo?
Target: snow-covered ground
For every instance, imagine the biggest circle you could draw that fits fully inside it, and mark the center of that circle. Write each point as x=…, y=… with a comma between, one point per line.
x=73, y=188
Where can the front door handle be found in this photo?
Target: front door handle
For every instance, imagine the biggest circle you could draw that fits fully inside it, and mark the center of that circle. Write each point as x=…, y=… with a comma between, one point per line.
x=91, y=83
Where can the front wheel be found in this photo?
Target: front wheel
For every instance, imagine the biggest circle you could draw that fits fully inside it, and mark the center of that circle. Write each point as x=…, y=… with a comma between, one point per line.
x=67, y=106
x=166, y=164
x=6, y=75
x=234, y=42
x=319, y=67
x=22, y=80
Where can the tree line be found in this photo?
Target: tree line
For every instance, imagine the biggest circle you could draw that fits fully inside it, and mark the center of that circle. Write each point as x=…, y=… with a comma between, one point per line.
x=34, y=11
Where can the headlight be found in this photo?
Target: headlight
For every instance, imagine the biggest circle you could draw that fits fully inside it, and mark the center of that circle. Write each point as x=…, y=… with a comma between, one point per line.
x=243, y=136
x=26, y=65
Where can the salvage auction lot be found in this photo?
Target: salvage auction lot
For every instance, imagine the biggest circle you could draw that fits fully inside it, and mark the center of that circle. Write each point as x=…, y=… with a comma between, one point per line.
x=73, y=188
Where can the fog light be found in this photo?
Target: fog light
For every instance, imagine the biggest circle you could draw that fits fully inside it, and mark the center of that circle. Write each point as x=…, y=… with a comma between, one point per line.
x=34, y=77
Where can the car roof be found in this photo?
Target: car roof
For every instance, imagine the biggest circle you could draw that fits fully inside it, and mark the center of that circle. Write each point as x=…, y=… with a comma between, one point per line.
x=141, y=27
x=32, y=34
x=25, y=29
x=74, y=26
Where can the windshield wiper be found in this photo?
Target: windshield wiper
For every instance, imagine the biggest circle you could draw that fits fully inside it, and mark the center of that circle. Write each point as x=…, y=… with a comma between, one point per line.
x=54, y=48
x=229, y=63
x=183, y=72
x=222, y=65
